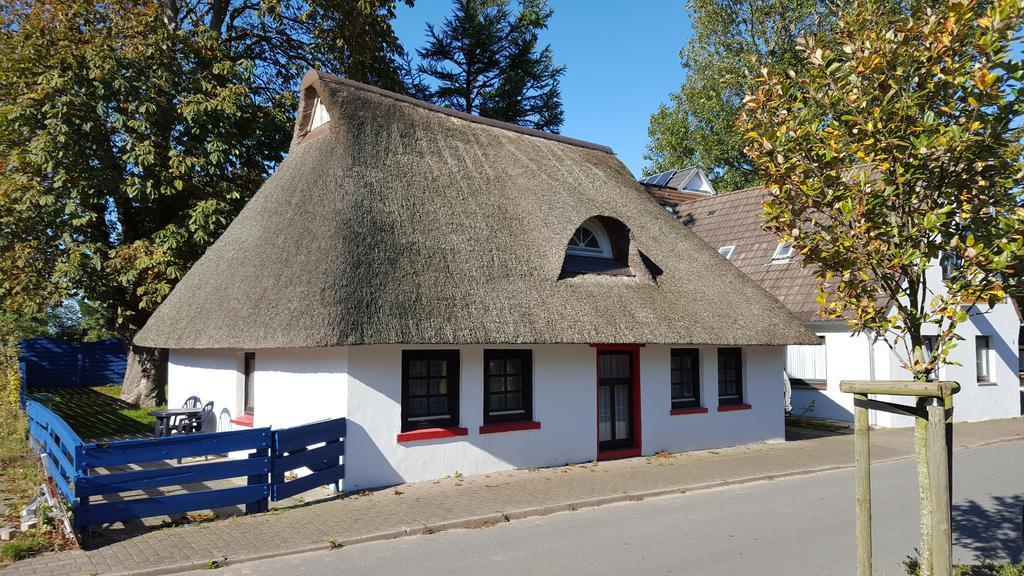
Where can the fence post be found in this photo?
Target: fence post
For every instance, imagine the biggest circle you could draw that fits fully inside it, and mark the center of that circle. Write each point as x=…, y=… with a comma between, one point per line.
x=938, y=477
x=22, y=387
x=263, y=504
x=862, y=451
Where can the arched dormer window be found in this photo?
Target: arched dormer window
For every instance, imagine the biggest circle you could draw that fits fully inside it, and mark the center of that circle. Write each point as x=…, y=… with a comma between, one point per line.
x=320, y=115
x=590, y=239
x=600, y=245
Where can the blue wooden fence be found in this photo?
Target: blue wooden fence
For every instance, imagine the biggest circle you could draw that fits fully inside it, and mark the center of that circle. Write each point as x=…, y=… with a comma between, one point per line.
x=51, y=363
x=74, y=466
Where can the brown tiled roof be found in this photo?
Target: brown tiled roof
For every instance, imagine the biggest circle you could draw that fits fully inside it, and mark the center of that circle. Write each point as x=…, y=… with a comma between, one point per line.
x=734, y=219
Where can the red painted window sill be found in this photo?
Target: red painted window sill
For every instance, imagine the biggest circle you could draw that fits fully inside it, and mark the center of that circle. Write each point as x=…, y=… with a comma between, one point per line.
x=509, y=427
x=618, y=454
x=244, y=420
x=733, y=407
x=694, y=410
x=432, y=433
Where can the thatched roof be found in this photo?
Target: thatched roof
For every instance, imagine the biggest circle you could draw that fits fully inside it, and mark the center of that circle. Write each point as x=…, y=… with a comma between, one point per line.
x=402, y=222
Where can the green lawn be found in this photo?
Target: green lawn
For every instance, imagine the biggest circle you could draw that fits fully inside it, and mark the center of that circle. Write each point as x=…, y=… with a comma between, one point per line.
x=99, y=414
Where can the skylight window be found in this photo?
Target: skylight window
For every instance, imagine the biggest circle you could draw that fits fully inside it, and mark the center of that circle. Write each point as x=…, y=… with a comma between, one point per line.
x=726, y=251
x=783, y=253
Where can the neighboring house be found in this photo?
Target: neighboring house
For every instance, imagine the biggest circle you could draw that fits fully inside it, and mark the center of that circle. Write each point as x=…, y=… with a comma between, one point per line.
x=988, y=355
x=673, y=187
x=473, y=296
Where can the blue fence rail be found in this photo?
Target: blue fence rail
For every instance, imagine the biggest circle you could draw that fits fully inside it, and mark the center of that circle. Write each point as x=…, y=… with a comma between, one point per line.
x=87, y=472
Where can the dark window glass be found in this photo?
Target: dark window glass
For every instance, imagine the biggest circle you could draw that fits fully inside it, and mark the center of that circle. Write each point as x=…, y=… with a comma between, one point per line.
x=730, y=376
x=508, y=378
x=430, y=385
x=250, y=373
x=685, y=378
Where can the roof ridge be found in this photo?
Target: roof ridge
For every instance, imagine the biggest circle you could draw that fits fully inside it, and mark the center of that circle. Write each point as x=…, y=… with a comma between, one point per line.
x=461, y=115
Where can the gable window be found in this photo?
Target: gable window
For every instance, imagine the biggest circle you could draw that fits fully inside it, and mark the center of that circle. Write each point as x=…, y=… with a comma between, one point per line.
x=320, y=115
x=982, y=353
x=685, y=375
x=508, y=376
x=430, y=389
x=730, y=376
x=726, y=251
x=248, y=385
x=783, y=253
x=590, y=239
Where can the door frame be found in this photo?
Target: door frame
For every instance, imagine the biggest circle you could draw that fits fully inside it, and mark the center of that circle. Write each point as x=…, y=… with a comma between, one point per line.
x=635, y=424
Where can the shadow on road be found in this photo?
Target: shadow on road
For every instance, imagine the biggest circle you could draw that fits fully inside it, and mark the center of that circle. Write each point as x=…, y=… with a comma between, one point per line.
x=993, y=532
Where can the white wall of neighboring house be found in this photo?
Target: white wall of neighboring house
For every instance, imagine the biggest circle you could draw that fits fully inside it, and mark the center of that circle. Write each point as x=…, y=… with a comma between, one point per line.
x=295, y=386
x=849, y=359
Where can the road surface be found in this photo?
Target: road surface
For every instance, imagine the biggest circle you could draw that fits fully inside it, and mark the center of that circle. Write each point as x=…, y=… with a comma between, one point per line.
x=794, y=526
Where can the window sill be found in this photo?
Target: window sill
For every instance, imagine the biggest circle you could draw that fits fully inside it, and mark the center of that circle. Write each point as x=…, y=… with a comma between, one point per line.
x=682, y=411
x=509, y=427
x=618, y=454
x=987, y=383
x=734, y=407
x=432, y=434
x=244, y=420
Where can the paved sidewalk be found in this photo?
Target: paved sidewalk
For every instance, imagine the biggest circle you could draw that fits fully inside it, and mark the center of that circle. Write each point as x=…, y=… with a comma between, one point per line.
x=478, y=501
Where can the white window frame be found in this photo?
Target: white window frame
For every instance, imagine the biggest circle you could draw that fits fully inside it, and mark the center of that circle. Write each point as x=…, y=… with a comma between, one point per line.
x=727, y=251
x=784, y=252
x=989, y=364
x=593, y=226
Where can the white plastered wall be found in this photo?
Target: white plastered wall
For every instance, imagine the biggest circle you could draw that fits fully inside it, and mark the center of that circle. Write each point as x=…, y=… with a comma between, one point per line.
x=848, y=359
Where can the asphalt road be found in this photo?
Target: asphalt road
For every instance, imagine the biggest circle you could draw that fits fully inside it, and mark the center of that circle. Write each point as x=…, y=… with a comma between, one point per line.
x=793, y=526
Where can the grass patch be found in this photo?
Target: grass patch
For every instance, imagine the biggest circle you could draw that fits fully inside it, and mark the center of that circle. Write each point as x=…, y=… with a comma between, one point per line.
x=815, y=424
x=23, y=547
x=99, y=413
x=986, y=568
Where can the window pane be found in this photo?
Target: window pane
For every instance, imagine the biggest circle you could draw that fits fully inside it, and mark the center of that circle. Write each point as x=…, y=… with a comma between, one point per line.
x=604, y=421
x=513, y=383
x=981, y=348
x=418, y=387
x=438, y=368
x=497, y=402
x=439, y=405
x=497, y=383
x=622, y=411
x=513, y=366
x=417, y=368
x=418, y=406
x=513, y=401
x=615, y=366
x=495, y=367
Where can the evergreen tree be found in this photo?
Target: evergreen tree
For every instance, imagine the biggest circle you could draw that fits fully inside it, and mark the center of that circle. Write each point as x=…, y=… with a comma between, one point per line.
x=485, y=60
x=731, y=41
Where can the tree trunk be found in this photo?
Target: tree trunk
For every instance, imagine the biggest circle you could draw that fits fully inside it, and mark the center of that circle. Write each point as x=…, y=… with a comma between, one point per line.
x=145, y=380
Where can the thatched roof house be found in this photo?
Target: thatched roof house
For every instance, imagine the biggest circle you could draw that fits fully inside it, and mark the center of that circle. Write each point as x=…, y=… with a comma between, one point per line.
x=401, y=222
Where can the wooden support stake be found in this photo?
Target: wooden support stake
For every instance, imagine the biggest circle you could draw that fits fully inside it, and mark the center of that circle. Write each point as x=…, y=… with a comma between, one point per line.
x=938, y=476
x=862, y=447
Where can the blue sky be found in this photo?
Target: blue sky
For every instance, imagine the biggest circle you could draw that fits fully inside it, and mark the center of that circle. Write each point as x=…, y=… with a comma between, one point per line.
x=622, y=60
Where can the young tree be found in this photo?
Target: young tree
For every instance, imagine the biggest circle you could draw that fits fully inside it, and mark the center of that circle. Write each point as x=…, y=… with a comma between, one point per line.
x=891, y=148
x=730, y=41
x=484, y=60
x=132, y=132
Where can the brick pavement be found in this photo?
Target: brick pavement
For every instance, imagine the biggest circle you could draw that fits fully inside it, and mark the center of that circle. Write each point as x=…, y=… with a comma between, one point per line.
x=476, y=501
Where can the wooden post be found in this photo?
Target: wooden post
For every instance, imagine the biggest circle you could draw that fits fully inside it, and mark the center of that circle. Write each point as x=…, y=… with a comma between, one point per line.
x=938, y=477
x=862, y=448
x=263, y=504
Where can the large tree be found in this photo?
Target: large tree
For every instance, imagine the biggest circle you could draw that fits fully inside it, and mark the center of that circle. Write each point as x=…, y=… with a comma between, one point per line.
x=731, y=40
x=891, y=149
x=485, y=60
x=132, y=132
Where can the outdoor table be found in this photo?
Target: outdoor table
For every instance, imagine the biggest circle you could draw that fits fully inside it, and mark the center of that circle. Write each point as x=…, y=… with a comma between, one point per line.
x=165, y=419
